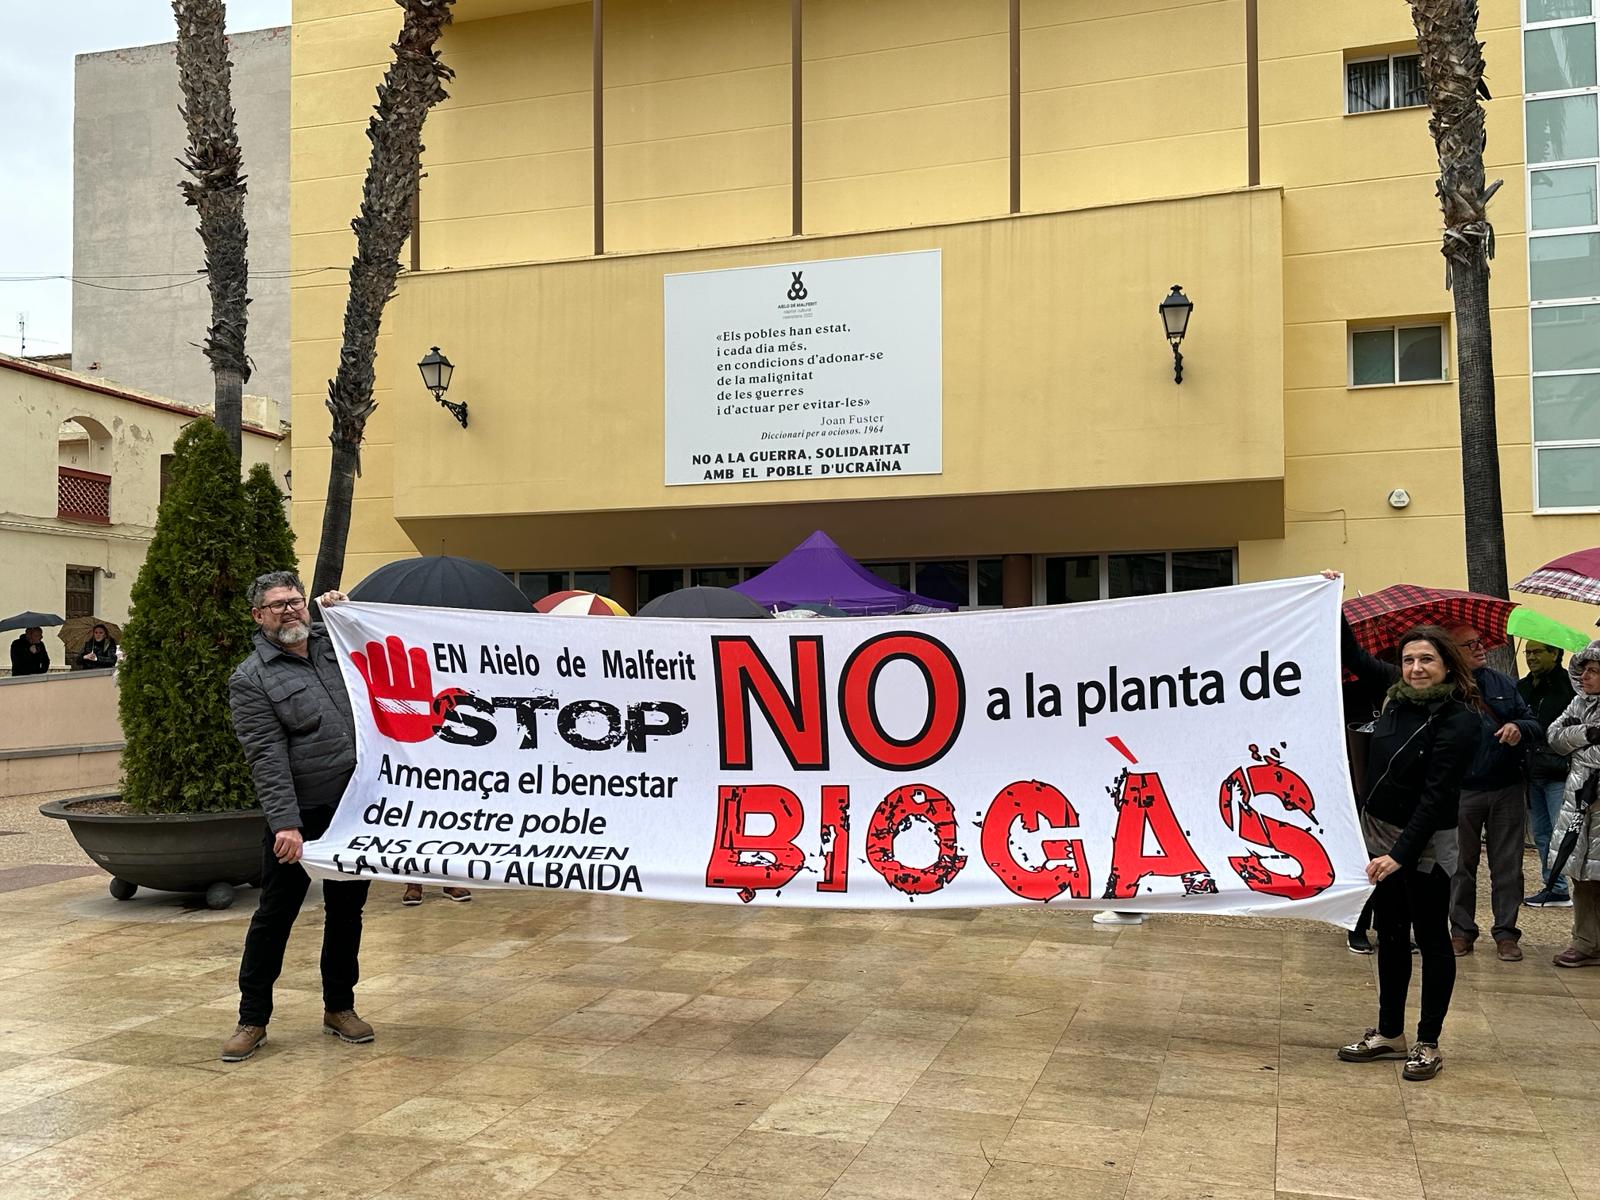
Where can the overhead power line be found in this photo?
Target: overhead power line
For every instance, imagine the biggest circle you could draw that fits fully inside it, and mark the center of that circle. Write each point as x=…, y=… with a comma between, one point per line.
x=91, y=281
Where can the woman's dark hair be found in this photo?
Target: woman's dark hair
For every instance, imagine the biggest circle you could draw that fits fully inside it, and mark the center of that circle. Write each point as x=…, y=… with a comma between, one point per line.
x=1458, y=671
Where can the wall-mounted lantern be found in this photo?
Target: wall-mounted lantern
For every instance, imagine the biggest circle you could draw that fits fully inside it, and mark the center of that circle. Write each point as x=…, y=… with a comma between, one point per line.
x=1175, y=310
x=436, y=371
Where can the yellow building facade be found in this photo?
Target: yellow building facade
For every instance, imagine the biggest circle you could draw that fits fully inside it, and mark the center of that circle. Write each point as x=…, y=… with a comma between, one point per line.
x=1071, y=160
x=83, y=467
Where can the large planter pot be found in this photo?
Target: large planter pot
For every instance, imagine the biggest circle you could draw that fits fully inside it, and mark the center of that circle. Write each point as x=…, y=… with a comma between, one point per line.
x=170, y=852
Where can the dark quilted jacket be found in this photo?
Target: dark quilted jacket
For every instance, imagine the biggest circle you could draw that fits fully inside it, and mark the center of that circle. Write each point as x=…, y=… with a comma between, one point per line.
x=1419, y=756
x=293, y=719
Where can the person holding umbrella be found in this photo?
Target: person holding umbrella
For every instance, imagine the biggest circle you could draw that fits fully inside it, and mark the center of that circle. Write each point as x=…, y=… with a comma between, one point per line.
x=29, y=654
x=99, y=653
x=1491, y=801
x=1492, y=805
x=1576, y=734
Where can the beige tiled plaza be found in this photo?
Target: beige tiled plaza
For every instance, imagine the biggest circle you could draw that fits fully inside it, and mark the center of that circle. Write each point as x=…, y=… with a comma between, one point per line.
x=551, y=1045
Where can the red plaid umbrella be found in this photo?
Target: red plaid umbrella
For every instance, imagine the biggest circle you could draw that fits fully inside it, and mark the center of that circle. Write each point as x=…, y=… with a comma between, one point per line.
x=1573, y=576
x=1382, y=618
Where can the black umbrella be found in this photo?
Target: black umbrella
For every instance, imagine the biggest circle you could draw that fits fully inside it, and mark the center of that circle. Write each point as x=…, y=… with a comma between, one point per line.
x=720, y=603
x=442, y=581
x=27, y=620
x=1585, y=799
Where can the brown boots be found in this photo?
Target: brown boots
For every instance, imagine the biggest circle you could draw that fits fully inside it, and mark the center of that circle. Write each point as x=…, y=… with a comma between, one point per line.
x=243, y=1043
x=345, y=1026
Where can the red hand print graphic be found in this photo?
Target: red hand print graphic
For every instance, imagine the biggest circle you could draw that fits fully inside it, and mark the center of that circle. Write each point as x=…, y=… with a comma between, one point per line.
x=400, y=689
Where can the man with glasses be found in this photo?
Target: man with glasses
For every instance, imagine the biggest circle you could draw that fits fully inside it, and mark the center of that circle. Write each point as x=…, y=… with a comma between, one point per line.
x=1492, y=807
x=1548, y=690
x=292, y=717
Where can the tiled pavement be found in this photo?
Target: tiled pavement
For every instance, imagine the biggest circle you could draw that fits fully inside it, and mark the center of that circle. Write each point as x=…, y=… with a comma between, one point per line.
x=553, y=1045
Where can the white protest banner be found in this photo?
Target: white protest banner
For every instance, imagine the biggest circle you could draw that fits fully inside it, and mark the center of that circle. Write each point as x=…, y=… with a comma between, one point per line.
x=1179, y=753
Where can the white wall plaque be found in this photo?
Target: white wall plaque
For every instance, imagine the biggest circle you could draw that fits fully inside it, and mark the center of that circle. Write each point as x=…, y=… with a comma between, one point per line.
x=810, y=370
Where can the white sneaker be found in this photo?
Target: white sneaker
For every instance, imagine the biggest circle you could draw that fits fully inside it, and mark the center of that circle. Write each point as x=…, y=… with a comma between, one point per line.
x=1111, y=917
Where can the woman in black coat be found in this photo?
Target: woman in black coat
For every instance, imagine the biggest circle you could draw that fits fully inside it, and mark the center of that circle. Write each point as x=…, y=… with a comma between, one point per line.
x=99, y=653
x=1422, y=746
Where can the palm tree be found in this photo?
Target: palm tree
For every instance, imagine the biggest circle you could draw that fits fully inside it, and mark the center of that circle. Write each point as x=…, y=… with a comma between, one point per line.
x=411, y=87
x=217, y=190
x=1452, y=71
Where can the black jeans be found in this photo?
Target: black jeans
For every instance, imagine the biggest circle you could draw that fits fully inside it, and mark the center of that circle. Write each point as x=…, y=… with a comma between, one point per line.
x=1412, y=903
x=283, y=890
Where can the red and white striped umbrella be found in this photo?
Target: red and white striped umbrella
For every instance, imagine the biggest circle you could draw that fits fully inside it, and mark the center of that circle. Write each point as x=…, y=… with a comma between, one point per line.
x=1574, y=576
x=579, y=604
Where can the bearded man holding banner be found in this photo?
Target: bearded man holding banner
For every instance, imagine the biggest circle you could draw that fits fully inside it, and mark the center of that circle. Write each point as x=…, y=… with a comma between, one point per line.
x=292, y=716
x=1423, y=744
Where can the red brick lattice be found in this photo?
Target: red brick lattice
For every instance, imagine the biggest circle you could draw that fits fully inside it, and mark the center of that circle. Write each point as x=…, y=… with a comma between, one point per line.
x=83, y=496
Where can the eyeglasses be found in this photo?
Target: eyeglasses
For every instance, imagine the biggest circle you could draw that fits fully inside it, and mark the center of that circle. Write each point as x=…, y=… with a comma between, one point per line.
x=281, y=606
x=1474, y=644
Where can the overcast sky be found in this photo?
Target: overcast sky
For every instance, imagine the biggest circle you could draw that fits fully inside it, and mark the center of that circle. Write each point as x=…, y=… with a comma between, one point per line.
x=36, y=56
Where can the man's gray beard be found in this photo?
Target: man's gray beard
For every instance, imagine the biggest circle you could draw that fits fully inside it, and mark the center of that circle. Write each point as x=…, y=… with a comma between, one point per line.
x=293, y=635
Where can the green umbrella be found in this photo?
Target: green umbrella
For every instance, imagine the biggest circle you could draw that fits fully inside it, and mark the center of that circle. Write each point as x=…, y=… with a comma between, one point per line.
x=1536, y=627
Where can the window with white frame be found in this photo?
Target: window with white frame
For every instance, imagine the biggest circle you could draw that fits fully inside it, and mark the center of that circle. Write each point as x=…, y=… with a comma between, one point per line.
x=1561, y=107
x=1412, y=352
x=1072, y=578
x=1381, y=82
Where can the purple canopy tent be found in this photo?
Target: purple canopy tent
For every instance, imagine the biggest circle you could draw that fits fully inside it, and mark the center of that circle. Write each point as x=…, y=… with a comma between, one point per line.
x=817, y=571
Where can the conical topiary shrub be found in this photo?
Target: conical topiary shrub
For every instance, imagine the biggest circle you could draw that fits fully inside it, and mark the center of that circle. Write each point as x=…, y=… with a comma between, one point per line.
x=270, y=535
x=189, y=628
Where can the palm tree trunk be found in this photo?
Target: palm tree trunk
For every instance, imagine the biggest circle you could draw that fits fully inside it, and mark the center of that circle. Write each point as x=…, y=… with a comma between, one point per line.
x=342, y=472
x=217, y=189
x=1452, y=70
x=413, y=84
x=1480, y=440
